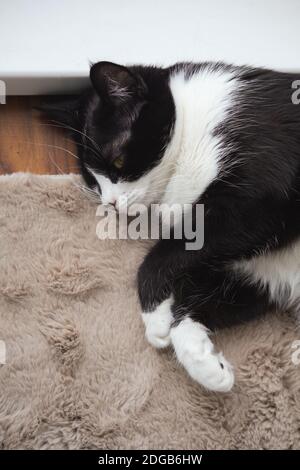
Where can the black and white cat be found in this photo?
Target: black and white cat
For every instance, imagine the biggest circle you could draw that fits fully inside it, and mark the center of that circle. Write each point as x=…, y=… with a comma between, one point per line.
x=211, y=133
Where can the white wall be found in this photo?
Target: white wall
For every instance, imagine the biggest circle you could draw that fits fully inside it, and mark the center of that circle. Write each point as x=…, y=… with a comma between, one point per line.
x=44, y=43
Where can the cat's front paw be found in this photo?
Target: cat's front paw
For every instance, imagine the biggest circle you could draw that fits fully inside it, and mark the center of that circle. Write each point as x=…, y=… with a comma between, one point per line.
x=158, y=325
x=214, y=373
x=196, y=353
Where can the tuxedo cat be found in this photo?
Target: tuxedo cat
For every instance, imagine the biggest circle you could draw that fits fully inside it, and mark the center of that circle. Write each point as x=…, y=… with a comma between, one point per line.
x=224, y=136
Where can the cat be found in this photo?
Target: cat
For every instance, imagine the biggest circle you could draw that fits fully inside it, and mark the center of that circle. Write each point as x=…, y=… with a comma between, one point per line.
x=221, y=135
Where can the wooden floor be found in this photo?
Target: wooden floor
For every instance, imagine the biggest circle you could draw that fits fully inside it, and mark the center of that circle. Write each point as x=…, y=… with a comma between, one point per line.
x=28, y=143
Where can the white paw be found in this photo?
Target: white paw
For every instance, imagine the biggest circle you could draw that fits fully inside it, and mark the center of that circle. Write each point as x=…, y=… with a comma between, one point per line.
x=158, y=325
x=195, y=352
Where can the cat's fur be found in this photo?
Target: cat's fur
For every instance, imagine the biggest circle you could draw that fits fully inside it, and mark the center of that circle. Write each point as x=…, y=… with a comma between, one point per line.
x=225, y=136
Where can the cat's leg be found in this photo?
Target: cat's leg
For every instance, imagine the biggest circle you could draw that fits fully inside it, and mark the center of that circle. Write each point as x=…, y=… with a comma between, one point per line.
x=206, y=303
x=158, y=324
x=155, y=293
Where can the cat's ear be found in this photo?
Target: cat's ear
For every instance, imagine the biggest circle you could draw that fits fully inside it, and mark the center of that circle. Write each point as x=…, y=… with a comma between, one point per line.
x=115, y=84
x=61, y=110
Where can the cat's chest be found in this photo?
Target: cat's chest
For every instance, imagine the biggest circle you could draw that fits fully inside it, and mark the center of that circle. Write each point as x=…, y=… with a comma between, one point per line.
x=202, y=103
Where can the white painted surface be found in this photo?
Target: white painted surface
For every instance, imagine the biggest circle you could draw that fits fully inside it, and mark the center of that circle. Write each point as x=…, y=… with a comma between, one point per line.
x=45, y=43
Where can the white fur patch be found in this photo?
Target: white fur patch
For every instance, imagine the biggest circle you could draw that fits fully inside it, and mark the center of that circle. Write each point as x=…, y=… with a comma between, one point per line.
x=201, y=103
x=158, y=324
x=278, y=271
x=195, y=352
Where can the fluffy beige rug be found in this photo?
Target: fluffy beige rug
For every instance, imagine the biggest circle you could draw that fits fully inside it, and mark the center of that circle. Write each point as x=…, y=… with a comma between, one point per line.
x=79, y=373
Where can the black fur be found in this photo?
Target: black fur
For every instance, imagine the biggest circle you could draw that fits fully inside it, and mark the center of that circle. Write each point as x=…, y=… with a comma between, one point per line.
x=251, y=209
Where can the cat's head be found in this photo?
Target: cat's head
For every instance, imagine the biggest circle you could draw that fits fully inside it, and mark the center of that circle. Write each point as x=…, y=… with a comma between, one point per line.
x=122, y=125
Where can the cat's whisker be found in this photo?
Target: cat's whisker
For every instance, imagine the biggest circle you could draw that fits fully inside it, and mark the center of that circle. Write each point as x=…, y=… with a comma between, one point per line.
x=95, y=151
x=66, y=126
x=59, y=169
x=58, y=147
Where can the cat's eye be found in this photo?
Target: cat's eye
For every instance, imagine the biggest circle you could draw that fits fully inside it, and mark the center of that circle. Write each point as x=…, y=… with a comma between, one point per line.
x=119, y=162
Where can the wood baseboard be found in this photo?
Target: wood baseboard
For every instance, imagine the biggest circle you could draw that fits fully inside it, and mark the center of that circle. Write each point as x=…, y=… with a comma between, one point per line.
x=31, y=144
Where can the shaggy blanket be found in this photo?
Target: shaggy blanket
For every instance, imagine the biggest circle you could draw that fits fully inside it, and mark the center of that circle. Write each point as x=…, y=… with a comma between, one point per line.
x=79, y=373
